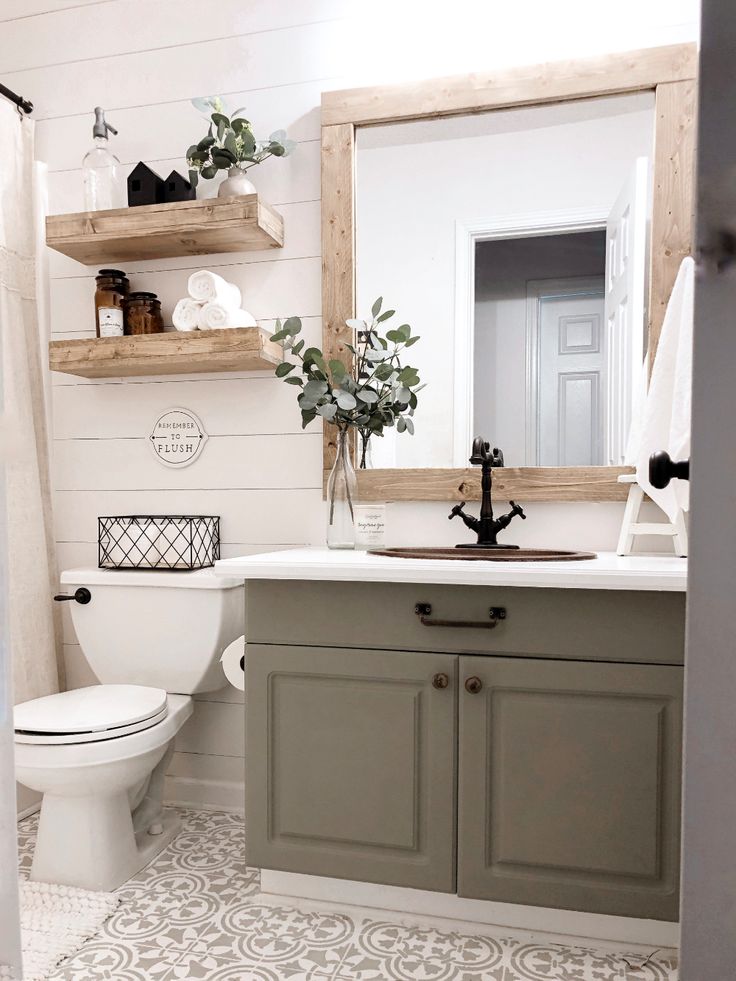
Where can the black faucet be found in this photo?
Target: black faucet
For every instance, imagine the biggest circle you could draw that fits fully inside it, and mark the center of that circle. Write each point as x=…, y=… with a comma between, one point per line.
x=486, y=527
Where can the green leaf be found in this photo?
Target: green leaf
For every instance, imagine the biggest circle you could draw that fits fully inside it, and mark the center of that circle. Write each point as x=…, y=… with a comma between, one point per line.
x=376, y=308
x=293, y=381
x=401, y=424
x=368, y=396
x=315, y=389
x=194, y=177
x=405, y=331
x=249, y=143
x=298, y=346
x=279, y=336
x=283, y=369
x=386, y=315
x=395, y=336
x=384, y=372
x=314, y=356
x=346, y=401
x=209, y=172
x=409, y=425
x=308, y=415
x=220, y=119
x=231, y=144
x=338, y=369
x=412, y=340
x=206, y=143
x=327, y=411
x=293, y=325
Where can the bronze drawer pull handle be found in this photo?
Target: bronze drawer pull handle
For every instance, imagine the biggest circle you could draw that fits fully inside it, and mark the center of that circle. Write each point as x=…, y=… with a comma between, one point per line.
x=496, y=613
x=473, y=685
x=440, y=681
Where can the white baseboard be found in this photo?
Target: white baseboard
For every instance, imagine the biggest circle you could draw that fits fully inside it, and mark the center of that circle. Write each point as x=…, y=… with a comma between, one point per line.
x=208, y=795
x=477, y=915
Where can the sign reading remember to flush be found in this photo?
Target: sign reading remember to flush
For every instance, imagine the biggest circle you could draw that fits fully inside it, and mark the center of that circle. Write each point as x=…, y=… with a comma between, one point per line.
x=178, y=438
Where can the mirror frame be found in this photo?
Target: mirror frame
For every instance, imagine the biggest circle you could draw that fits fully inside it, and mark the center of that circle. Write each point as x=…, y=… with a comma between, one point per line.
x=669, y=72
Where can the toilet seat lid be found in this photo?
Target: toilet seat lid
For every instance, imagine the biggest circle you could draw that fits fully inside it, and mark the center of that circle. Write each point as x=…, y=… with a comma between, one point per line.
x=97, y=709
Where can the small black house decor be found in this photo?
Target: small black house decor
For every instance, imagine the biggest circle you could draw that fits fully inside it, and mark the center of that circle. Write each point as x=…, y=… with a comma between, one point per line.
x=144, y=186
x=178, y=188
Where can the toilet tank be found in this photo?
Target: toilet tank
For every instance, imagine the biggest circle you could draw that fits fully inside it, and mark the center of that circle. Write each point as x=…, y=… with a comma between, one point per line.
x=163, y=629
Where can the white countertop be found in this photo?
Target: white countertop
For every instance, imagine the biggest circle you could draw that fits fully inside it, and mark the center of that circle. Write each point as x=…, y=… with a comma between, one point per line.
x=607, y=571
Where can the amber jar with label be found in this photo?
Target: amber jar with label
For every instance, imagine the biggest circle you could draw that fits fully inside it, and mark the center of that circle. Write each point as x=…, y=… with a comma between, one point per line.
x=112, y=287
x=143, y=313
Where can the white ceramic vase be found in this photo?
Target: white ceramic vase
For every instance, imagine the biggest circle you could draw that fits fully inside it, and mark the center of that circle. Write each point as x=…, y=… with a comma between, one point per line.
x=235, y=183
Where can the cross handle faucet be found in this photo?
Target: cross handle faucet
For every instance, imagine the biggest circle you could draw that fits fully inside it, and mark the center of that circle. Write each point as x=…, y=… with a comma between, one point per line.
x=486, y=527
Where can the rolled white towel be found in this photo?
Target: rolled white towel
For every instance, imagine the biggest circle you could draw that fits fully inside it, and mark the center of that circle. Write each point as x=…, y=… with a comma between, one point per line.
x=186, y=314
x=205, y=285
x=214, y=316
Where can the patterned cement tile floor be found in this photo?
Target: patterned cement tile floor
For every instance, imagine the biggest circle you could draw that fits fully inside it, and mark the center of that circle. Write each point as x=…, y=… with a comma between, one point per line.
x=195, y=912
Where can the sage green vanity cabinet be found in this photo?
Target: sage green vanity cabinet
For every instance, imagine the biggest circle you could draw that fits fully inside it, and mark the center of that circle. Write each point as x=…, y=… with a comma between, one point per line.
x=552, y=779
x=351, y=764
x=569, y=785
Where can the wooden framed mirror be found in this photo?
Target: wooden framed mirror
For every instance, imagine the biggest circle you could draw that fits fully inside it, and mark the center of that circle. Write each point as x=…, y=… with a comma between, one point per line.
x=642, y=98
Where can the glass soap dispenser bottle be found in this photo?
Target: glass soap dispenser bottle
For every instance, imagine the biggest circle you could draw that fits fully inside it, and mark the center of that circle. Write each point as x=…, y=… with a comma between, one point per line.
x=103, y=176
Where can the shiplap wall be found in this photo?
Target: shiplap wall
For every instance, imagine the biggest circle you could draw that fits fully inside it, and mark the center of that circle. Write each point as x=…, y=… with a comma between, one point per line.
x=143, y=60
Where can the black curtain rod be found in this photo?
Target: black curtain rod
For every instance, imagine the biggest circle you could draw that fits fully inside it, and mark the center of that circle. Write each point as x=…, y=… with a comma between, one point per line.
x=17, y=100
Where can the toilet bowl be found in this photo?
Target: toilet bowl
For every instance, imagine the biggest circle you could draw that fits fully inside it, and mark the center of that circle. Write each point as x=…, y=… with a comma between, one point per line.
x=99, y=755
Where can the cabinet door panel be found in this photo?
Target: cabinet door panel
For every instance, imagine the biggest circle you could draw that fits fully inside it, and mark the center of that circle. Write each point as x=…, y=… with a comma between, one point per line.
x=350, y=764
x=569, y=785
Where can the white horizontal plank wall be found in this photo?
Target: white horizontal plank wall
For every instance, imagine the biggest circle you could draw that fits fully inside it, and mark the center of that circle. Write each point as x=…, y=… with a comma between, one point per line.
x=143, y=62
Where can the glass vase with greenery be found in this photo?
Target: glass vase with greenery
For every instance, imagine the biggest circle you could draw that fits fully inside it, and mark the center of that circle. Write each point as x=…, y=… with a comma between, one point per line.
x=378, y=392
x=229, y=142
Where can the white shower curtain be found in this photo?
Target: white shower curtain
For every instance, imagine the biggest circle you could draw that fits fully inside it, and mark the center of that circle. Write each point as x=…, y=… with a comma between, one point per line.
x=33, y=632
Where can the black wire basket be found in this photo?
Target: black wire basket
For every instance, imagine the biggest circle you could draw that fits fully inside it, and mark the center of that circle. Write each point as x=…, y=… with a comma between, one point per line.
x=158, y=541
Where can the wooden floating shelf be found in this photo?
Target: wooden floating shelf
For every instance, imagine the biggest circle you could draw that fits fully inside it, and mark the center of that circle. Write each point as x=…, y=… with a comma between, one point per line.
x=170, y=353
x=161, y=231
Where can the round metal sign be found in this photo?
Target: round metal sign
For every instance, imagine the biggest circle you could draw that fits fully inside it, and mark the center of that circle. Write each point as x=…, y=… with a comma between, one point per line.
x=178, y=438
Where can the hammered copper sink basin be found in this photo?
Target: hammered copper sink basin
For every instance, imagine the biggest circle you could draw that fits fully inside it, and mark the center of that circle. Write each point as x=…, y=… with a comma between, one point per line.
x=485, y=554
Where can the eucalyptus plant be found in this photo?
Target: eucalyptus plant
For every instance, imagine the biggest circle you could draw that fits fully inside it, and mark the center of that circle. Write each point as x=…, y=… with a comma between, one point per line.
x=379, y=393
x=229, y=142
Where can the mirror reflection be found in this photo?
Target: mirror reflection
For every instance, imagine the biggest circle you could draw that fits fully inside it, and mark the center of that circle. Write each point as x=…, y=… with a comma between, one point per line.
x=515, y=243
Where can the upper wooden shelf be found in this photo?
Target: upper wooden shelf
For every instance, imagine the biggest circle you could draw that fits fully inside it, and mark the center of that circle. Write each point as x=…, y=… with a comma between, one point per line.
x=160, y=231
x=170, y=353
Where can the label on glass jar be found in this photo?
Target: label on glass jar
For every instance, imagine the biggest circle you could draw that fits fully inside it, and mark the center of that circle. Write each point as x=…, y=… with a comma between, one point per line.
x=370, y=525
x=111, y=321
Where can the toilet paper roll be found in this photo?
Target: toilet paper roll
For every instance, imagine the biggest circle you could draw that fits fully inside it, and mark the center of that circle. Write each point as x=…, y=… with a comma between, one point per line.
x=233, y=663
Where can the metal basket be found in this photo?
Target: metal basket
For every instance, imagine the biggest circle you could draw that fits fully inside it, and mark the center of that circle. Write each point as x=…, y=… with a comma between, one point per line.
x=158, y=541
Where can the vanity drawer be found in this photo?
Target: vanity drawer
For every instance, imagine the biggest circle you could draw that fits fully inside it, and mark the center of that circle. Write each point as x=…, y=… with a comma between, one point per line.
x=592, y=625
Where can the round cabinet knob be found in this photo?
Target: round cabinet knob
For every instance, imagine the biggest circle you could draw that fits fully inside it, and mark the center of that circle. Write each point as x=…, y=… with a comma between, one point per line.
x=473, y=685
x=440, y=681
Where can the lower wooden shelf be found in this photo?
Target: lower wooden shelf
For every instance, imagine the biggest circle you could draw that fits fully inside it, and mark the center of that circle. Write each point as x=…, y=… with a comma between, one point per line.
x=170, y=353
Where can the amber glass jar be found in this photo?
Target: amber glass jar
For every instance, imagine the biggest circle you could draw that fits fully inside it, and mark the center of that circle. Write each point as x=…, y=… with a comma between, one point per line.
x=111, y=291
x=143, y=313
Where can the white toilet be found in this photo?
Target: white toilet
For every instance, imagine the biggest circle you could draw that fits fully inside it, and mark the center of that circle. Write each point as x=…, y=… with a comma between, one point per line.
x=99, y=755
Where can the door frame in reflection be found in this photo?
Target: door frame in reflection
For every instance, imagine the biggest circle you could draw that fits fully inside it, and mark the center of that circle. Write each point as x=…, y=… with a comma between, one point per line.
x=467, y=235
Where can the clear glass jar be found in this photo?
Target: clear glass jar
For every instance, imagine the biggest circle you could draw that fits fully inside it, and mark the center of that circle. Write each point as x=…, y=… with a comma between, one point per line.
x=143, y=314
x=342, y=494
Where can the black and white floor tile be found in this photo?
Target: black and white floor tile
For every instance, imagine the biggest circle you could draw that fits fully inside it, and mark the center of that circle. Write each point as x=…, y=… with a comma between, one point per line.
x=195, y=913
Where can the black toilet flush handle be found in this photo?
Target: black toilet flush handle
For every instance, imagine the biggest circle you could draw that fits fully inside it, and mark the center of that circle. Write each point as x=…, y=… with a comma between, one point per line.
x=81, y=595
